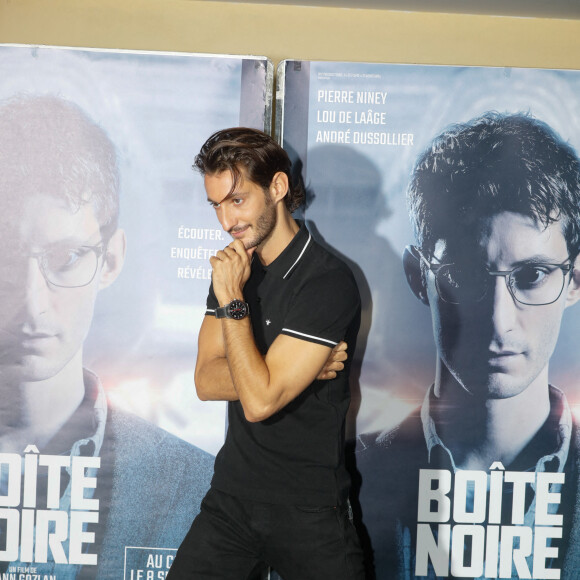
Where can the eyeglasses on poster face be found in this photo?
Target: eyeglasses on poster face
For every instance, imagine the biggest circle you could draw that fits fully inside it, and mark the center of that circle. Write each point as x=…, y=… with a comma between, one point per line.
x=533, y=283
x=61, y=266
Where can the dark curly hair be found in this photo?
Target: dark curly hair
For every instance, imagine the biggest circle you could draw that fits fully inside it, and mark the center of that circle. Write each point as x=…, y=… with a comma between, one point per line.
x=49, y=145
x=493, y=163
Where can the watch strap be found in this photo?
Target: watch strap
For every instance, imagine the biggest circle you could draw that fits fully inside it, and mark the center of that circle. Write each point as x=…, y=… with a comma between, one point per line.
x=222, y=311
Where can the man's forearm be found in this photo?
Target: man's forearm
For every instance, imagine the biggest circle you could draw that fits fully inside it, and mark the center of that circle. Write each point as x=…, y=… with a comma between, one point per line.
x=249, y=373
x=266, y=384
x=213, y=381
x=236, y=370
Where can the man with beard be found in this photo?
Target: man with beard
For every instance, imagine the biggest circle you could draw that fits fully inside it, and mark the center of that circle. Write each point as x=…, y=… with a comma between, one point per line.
x=482, y=480
x=278, y=305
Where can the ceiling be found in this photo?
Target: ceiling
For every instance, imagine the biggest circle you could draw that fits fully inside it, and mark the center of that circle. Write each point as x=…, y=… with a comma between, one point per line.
x=568, y=9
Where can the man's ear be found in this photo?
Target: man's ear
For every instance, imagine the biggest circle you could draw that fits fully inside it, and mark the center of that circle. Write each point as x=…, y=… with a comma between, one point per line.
x=113, y=259
x=279, y=186
x=412, y=266
x=573, y=291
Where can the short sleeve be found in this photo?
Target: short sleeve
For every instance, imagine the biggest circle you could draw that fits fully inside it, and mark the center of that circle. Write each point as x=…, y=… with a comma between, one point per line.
x=211, y=303
x=325, y=310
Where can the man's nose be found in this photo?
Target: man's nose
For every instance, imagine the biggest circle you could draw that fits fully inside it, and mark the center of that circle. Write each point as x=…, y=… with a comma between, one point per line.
x=227, y=218
x=31, y=288
x=505, y=307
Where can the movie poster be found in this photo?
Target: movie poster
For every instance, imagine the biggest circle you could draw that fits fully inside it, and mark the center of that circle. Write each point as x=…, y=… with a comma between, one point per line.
x=466, y=396
x=106, y=236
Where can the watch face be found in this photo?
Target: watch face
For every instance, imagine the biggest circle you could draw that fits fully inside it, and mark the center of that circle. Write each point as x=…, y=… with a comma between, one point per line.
x=237, y=309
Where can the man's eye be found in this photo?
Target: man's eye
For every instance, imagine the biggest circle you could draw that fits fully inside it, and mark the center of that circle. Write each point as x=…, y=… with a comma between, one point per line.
x=238, y=200
x=61, y=260
x=214, y=205
x=530, y=276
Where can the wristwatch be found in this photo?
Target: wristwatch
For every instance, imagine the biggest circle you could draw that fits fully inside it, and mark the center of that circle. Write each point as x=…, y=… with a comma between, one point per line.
x=236, y=309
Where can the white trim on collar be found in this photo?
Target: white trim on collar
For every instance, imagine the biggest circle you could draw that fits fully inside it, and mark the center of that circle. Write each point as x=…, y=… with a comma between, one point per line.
x=300, y=256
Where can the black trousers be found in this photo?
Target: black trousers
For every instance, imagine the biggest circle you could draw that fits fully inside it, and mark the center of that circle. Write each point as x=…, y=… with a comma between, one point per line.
x=235, y=539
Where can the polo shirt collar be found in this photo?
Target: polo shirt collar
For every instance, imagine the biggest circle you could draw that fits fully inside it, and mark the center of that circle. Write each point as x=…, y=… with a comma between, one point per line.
x=290, y=257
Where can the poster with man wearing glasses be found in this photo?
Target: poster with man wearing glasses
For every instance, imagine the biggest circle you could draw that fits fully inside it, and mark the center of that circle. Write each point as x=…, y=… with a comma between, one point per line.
x=474, y=474
x=104, y=454
x=488, y=464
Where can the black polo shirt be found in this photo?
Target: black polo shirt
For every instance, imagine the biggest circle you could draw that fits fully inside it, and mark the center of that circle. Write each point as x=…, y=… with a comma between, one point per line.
x=297, y=455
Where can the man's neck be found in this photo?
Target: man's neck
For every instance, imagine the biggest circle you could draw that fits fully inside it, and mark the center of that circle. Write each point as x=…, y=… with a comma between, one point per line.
x=33, y=412
x=282, y=234
x=480, y=431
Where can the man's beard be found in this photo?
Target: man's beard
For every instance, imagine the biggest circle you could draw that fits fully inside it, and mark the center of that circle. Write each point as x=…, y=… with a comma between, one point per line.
x=264, y=226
